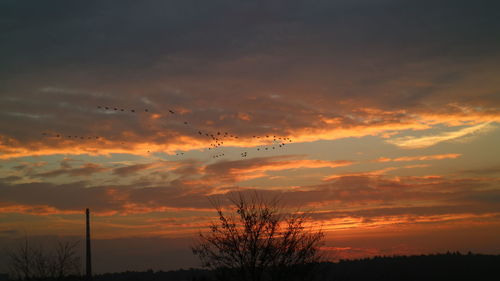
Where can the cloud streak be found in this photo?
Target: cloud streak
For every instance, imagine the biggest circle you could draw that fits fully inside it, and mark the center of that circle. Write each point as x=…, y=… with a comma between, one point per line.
x=87, y=169
x=430, y=140
x=420, y=158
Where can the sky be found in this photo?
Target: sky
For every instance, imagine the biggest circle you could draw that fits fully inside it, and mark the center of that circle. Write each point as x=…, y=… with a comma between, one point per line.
x=382, y=118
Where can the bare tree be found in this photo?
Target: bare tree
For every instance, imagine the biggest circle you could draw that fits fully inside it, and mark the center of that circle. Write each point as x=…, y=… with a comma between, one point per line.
x=21, y=261
x=34, y=262
x=258, y=241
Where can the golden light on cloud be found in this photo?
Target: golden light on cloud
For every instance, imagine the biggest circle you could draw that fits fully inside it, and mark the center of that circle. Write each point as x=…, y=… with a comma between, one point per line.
x=430, y=140
x=372, y=122
x=420, y=158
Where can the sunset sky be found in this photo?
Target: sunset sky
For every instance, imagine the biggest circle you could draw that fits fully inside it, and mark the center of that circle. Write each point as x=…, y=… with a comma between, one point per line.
x=389, y=112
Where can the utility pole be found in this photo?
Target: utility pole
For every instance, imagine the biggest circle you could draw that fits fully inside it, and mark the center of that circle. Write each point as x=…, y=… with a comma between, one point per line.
x=88, y=267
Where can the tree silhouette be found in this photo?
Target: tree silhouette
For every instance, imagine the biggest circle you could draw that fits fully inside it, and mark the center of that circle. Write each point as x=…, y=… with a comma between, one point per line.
x=256, y=240
x=34, y=262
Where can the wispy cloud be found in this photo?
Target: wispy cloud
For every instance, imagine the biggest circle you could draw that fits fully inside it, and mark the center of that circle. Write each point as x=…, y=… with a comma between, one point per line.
x=430, y=140
x=85, y=170
x=420, y=158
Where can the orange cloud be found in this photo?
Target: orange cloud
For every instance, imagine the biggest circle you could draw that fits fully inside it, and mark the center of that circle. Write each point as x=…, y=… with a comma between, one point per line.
x=244, y=116
x=40, y=210
x=420, y=158
x=430, y=140
x=293, y=164
x=157, y=131
x=241, y=170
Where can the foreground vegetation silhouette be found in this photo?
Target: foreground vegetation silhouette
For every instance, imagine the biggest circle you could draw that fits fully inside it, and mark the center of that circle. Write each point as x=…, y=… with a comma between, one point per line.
x=442, y=267
x=33, y=261
x=254, y=239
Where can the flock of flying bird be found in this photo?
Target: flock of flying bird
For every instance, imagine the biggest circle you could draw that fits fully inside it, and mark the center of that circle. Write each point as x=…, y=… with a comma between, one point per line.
x=217, y=138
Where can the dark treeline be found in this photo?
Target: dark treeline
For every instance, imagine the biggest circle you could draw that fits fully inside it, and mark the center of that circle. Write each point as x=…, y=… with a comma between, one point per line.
x=449, y=266
x=150, y=275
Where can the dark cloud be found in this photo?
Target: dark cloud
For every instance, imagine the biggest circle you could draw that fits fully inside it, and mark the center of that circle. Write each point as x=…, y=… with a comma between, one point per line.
x=94, y=32
x=447, y=195
x=9, y=232
x=131, y=169
x=261, y=47
x=482, y=171
x=74, y=196
x=29, y=168
x=411, y=212
x=235, y=170
x=10, y=179
x=66, y=163
x=85, y=170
